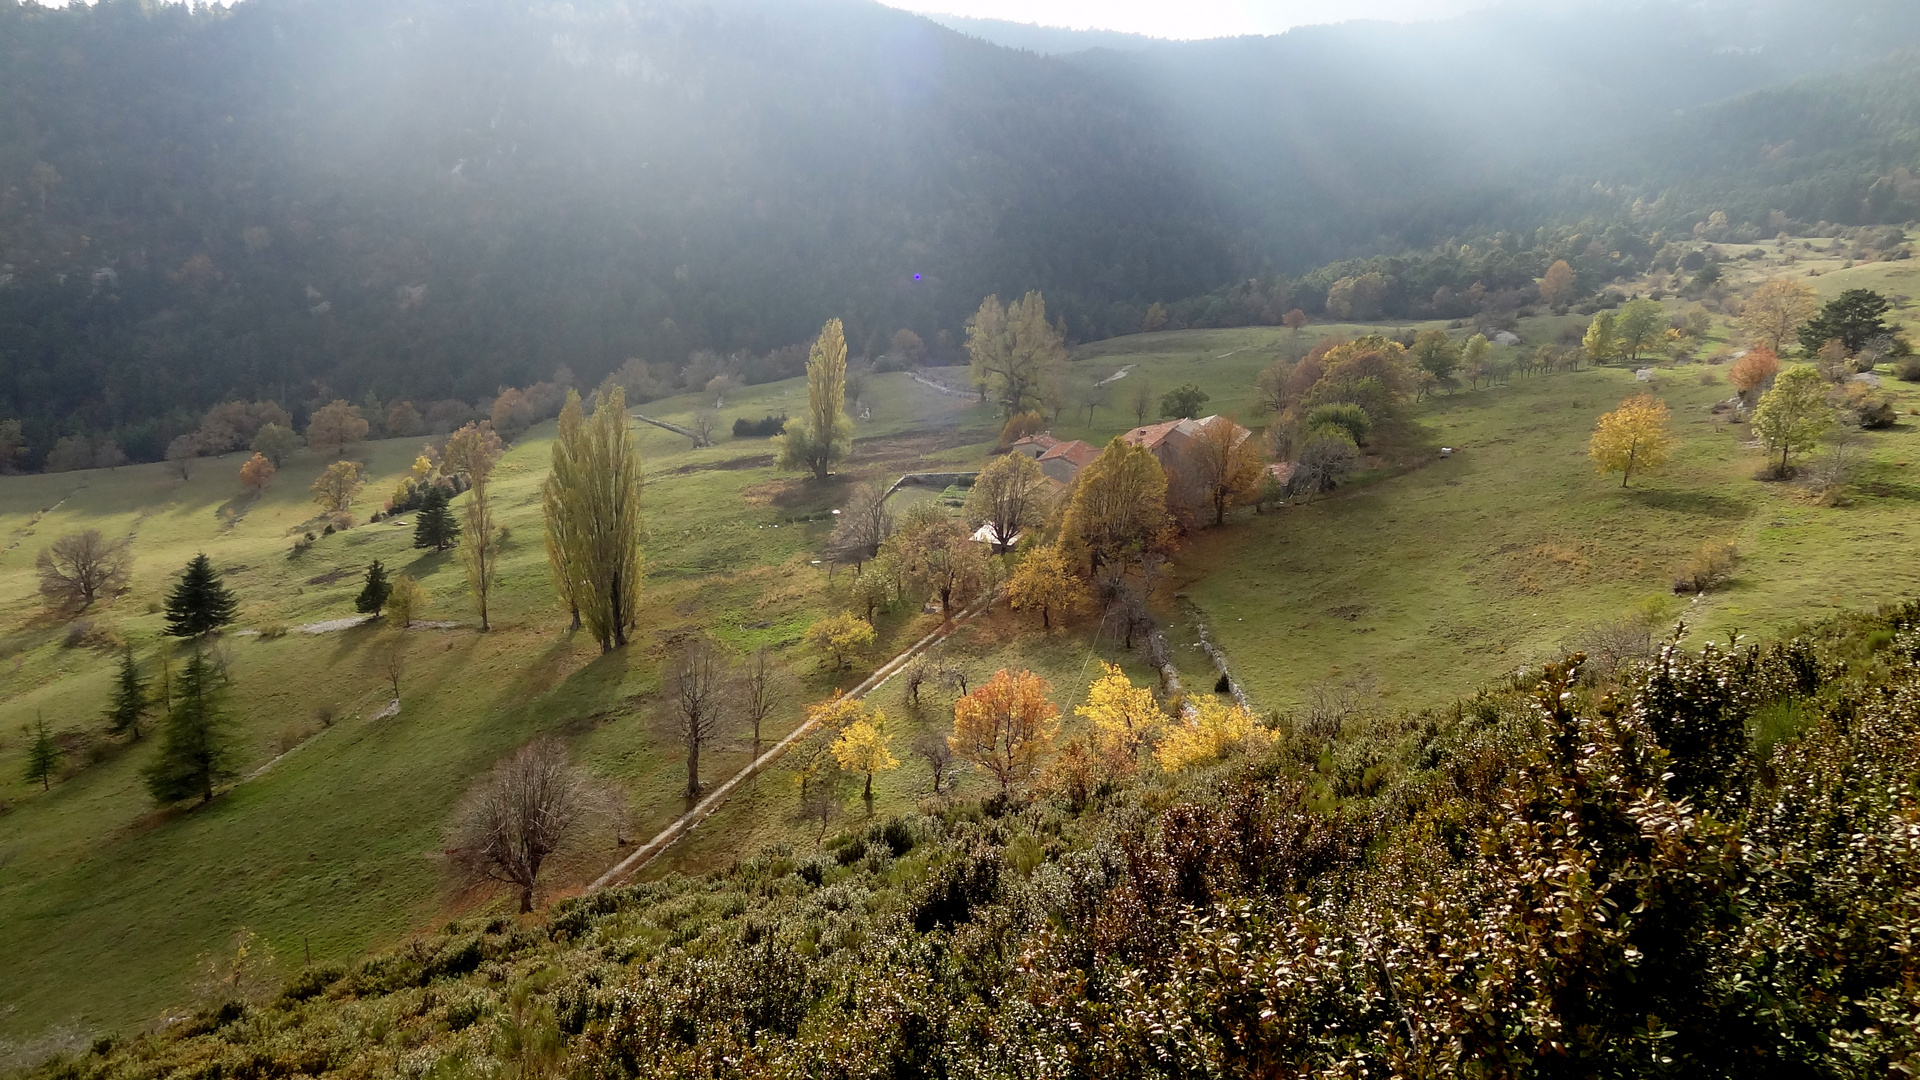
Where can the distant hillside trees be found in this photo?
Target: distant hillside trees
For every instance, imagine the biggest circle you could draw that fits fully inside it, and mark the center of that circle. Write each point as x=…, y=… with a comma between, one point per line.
x=819, y=440
x=199, y=602
x=81, y=568
x=196, y=747
x=591, y=507
x=1015, y=354
x=334, y=427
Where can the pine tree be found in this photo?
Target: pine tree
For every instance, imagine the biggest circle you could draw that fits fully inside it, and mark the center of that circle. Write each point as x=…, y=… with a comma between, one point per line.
x=43, y=755
x=435, y=527
x=195, y=751
x=130, y=701
x=374, y=595
x=199, y=604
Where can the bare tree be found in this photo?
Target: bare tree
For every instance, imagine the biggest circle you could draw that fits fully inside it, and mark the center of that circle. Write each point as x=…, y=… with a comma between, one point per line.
x=530, y=806
x=933, y=746
x=393, y=663
x=703, y=423
x=760, y=693
x=79, y=568
x=865, y=523
x=697, y=689
x=1141, y=401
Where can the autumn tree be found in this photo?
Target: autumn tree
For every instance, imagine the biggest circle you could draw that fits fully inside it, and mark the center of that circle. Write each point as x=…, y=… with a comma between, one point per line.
x=1045, y=582
x=864, y=746
x=480, y=545
x=196, y=744
x=1436, y=354
x=818, y=440
x=1294, y=320
x=334, y=427
x=336, y=488
x=43, y=755
x=199, y=602
x=1754, y=372
x=1560, y=284
x=907, y=345
x=80, y=568
x=257, y=472
x=1225, y=466
x=1641, y=326
x=276, y=441
x=1155, y=319
x=530, y=807
x=591, y=504
x=1776, y=311
x=1126, y=719
x=1014, y=352
x=1118, y=509
x=696, y=688
x=840, y=637
x=1008, y=497
x=511, y=414
x=939, y=557
x=1006, y=726
x=1215, y=729
x=1473, y=358
x=1632, y=438
x=406, y=601
x=471, y=453
x=403, y=420
x=1794, y=414
x=131, y=699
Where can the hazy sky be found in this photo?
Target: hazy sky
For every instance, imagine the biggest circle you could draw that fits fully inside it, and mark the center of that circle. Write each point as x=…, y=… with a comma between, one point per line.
x=1191, y=18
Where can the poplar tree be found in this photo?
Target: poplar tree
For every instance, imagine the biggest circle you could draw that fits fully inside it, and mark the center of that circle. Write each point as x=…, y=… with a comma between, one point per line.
x=592, y=509
x=199, y=603
x=130, y=698
x=43, y=755
x=195, y=741
x=480, y=547
x=823, y=437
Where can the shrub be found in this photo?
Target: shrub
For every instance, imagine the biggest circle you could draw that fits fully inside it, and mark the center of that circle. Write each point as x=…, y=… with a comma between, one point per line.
x=1907, y=369
x=765, y=427
x=1709, y=567
x=1346, y=416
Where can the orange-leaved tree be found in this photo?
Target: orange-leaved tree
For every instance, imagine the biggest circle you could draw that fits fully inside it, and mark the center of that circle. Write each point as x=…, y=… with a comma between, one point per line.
x=1754, y=372
x=1006, y=726
x=258, y=472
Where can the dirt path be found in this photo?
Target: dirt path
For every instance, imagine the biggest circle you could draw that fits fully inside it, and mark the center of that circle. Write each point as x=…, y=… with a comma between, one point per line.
x=624, y=870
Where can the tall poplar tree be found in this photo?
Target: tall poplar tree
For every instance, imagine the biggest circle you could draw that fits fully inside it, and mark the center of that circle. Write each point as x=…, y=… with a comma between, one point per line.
x=823, y=437
x=480, y=545
x=130, y=698
x=195, y=740
x=592, y=508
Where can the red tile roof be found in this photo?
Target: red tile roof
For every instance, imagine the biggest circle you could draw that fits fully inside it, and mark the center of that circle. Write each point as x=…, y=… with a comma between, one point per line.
x=1078, y=453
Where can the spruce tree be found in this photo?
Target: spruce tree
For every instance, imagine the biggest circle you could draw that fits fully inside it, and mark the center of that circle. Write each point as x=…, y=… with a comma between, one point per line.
x=130, y=702
x=199, y=604
x=43, y=755
x=374, y=596
x=435, y=527
x=195, y=743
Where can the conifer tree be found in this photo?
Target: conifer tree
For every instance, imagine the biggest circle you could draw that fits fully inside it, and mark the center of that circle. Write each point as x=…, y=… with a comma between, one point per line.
x=195, y=743
x=592, y=508
x=199, y=604
x=43, y=755
x=130, y=701
x=373, y=596
x=435, y=527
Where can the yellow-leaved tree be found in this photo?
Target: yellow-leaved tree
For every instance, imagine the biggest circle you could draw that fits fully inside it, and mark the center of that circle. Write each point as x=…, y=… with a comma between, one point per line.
x=1015, y=353
x=338, y=486
x=1044, y=581
x=1006, y=726
x=1118, y=511
x=821, y=438
x=1559, y=284
x=863, y=747
x=840, y=637
x=591, y=502
x=1633, y=438
x=1776, y=310
x=1126, y=719
x=1216, y=729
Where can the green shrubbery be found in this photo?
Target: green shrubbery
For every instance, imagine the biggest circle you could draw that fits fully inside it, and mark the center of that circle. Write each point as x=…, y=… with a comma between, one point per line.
x=1561, y=876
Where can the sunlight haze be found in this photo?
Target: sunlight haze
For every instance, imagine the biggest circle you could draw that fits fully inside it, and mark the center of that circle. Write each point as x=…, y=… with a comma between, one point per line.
x=1202, y=19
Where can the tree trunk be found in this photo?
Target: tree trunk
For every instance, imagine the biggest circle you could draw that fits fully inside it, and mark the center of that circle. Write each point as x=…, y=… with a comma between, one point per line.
x=868, y=794
x=693, y=768
x=1045, y=623
x=619, y=616
x=946, y=604
x=526, y=899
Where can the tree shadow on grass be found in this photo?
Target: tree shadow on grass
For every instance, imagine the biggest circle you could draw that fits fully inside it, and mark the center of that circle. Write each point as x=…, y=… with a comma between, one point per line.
x=1697, y=503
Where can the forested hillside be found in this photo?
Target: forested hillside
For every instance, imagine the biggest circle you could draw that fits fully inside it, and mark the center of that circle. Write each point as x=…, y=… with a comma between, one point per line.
x=300, y=200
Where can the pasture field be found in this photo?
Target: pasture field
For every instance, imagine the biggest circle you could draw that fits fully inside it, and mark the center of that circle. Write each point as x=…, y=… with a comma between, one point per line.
x=1421, y=579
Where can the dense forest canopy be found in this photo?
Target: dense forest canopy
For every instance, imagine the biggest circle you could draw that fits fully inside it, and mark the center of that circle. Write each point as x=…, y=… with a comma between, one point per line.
x=300, y=200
